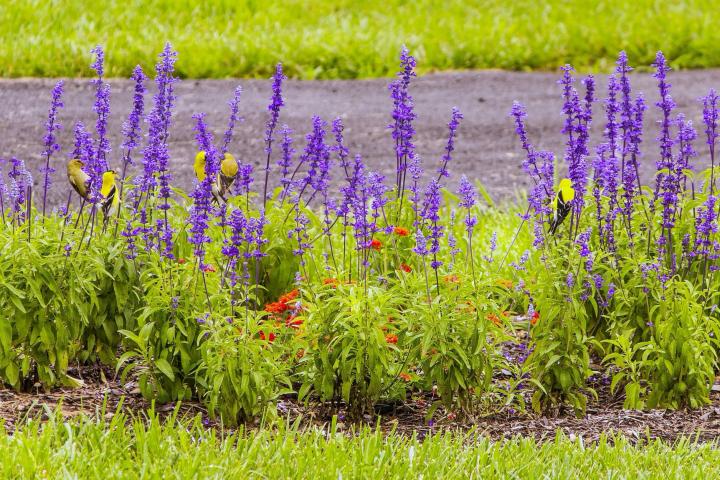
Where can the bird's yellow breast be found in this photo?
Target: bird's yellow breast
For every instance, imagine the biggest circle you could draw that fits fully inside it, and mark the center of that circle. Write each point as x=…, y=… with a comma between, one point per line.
x=108, y=182
x=199, y=166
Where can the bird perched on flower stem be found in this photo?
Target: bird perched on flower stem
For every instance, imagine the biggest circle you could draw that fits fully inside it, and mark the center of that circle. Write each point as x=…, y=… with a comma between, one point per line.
x=79, y=180
x=110, y=195
x=226, y=177
x=562, y=203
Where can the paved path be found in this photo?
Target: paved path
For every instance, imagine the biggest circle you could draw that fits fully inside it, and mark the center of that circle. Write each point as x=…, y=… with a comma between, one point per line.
x=487, y=148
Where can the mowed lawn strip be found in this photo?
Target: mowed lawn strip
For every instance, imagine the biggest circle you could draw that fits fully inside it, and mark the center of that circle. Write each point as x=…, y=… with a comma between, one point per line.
x=84, y=448
x=349, y=39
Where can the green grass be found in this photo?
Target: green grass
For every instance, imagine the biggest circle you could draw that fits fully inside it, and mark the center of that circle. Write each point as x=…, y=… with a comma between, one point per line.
x=86, y=449
x=350, y=39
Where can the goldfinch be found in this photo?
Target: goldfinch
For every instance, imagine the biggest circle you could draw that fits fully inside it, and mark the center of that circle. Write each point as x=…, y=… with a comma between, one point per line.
x=110, y=203
x=199, y=167
x=78, y=179
x=228, y=173
x=562, y=203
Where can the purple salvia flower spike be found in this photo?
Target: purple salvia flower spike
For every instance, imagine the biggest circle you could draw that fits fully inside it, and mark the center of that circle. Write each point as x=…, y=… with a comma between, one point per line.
x=403, y=116
x=276, y=103
x=50, y=141
x=233, y=120
x=450, y=147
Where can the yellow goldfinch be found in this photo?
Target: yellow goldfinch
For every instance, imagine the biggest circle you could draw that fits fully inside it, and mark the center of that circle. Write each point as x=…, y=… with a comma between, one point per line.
x=110, y=195
x=561, y=204
x=228, y=173
x=78, y=179
x=199, y=167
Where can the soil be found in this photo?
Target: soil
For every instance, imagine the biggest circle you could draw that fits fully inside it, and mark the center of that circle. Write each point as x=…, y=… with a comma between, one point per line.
x=487, y=148
x=102, y=394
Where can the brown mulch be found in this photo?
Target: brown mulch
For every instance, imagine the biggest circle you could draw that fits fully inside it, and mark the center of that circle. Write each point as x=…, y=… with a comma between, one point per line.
x=103, y=394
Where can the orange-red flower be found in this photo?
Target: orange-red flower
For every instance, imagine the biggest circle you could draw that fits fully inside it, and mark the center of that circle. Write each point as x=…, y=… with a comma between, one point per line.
x=209, y=269
x=391, y=338
x=452, y=278
x=405, y=376
x=293, y=322
x=535, y=318
x=276, y=307
x=181, y=261
x=330, y=281
x=493, y=318
x=270, y=337
x=405, y=268
x=505, y=283
x=300, y=354
x=289, y=297
x=376, y=244
x=401, y=231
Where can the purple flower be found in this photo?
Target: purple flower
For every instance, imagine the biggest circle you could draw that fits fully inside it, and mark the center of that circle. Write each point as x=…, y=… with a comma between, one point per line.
x=710, y=119
x=131, y=127
x=416, y=172
x=570, y=280
x=577, y=121
x=666, y=106
x=276, y=103
x=467, y=195
x=202, y=194
x=20, y=180
x=705, y=226
x=452, y=133
x=285, y=162
x=340, y=148
x=583, y=243
x=234, y=118
x=607, y=169
x=631, y=126
x=520, y=265
x=431, y=217
x=50, y=141
x=102, y=109
x=233, y=245
x=403, y=116
x=420, y=243
x=540, y=168
x=452, y=241
x=156, y=154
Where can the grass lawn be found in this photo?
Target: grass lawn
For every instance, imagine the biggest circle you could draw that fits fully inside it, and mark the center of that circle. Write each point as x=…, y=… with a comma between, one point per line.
x=87, y=449
x=349, y=39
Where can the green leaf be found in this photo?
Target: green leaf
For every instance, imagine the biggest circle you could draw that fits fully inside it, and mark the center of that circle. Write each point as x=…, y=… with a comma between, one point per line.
x=165, y=368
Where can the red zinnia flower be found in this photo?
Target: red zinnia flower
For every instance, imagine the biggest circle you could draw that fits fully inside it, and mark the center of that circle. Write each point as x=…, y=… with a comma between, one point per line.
x=405, y=376
x=376, y=244
x=270, y=337
x=293, y=322
x=535, y=318
x=276, y=307
x=391, y=338
x=405, y=268
x=181, y=261
x=401, y=231
x=330, y=281
x=289, y=297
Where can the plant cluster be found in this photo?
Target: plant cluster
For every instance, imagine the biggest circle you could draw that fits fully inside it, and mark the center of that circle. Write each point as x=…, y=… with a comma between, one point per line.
x=265, y=283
